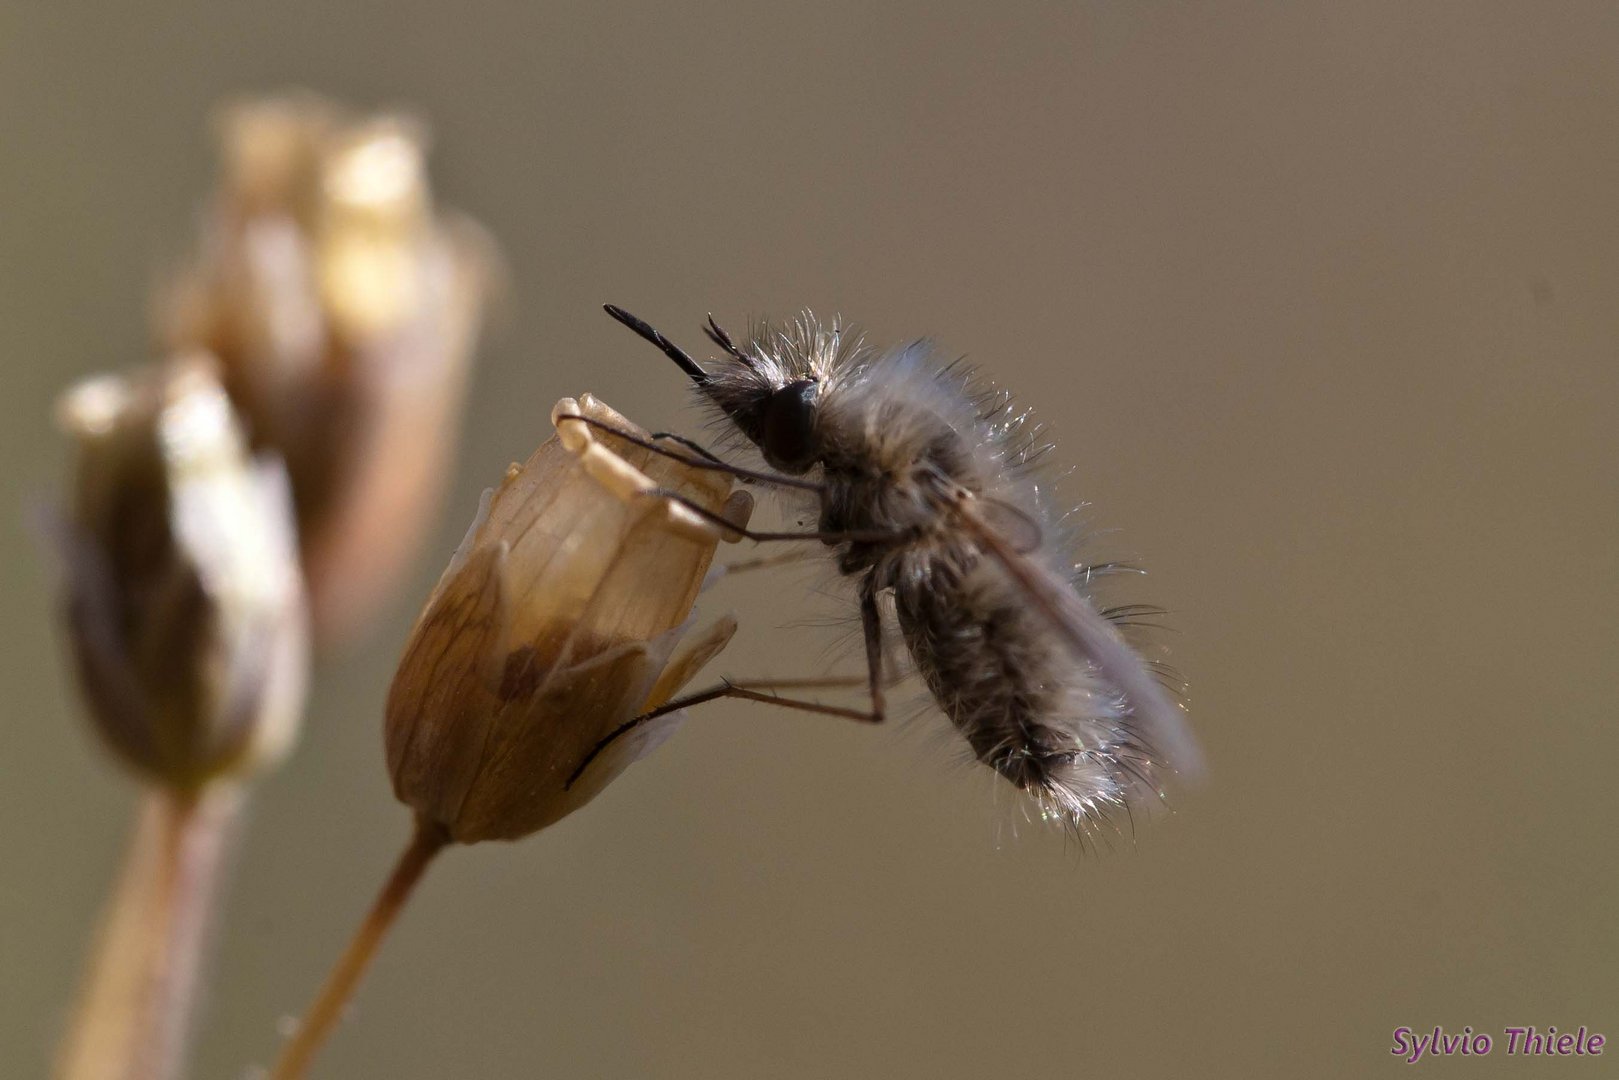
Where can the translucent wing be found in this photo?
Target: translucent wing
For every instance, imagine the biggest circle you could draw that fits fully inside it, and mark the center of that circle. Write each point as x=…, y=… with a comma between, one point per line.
x=1020, y=531
x=1094, y=639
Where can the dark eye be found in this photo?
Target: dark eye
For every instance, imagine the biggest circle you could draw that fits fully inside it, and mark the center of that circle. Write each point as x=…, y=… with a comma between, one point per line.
x=789, y=426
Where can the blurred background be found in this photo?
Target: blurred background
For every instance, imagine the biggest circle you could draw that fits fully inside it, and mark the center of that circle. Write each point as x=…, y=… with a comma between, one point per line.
x=1319, y=302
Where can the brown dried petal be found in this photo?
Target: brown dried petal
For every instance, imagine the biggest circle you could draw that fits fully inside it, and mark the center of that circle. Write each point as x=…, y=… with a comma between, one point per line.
x=440, y=706
x=539, y=741
x=553, y=625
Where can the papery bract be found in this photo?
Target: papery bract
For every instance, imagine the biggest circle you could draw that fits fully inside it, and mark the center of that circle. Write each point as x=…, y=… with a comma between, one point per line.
x=563, y=614
x=345, y=311
x=185, y=601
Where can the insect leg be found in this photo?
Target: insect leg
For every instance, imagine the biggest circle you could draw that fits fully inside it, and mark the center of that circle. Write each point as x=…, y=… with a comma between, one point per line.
x=726, y=689
x=706, y=462
x=828, y=682
x=690, y=444
x=851, y=536
x=752, y=690
x=817, y=683
x=872, y=623
x=784, y=559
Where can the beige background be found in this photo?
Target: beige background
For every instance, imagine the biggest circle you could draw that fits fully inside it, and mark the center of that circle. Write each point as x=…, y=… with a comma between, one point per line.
x=1320, y=300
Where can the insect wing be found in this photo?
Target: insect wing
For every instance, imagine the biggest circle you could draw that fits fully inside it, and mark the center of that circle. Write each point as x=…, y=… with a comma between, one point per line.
x=1095, y=640
x=1014, y=526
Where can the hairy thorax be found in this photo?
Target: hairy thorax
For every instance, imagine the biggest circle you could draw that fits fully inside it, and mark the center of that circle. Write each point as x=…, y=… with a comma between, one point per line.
x=976, y=641
x=904, y=500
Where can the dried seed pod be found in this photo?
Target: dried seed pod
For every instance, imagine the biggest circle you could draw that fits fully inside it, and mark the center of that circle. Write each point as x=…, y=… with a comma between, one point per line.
x=557, y=620
x=345, y=312
x=185, y=602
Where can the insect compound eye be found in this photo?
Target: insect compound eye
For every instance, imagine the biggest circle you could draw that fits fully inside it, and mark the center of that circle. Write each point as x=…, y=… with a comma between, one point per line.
x=789, y=426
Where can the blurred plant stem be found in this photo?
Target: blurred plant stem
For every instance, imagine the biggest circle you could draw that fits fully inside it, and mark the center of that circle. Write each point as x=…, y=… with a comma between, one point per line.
x=426, y=841
x=135, y=1009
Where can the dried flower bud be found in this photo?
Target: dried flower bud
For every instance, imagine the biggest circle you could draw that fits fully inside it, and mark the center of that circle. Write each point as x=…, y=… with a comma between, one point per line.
x=345, y=312
x=556, y=621
x=185, y=603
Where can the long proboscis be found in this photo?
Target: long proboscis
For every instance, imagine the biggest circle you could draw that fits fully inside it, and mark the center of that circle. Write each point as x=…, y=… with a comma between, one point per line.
x=650, y=333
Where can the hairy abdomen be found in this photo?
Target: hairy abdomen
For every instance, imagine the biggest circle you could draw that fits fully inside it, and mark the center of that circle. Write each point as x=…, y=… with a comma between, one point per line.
x=1025, y=705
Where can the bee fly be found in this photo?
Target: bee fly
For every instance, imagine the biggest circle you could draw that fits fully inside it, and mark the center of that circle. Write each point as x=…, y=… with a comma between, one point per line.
x=923, y=485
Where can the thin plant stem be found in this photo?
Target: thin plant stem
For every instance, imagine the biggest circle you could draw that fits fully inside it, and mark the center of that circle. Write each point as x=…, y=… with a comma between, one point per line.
x=133, y=1019
x=426, y=841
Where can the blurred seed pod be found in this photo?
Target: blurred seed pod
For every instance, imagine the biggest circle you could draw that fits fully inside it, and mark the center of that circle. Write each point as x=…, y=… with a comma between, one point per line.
x=185, y=602
x=345, y=311
x=560, y=617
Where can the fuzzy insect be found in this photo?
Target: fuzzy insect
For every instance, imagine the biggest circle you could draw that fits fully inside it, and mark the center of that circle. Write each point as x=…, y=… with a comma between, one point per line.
x=924, y=487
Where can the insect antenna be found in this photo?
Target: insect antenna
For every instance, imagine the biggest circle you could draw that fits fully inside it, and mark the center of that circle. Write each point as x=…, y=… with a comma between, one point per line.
x=720, y=337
